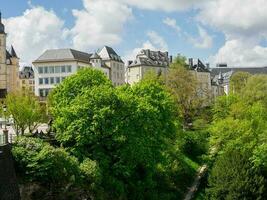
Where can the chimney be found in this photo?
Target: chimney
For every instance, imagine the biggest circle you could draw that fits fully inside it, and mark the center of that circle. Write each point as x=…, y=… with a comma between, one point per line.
x=129, y=62
x=170, y=59
x=208, y=65
x=190, y=62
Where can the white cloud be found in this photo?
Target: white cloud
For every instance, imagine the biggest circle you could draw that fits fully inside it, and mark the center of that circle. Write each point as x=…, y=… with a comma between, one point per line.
x=172, y=23
x=157, y=40
x=33, y=32
x=155, y=43
x=203, y=41
x=100, y=22
x=244, y=24
x=165, y=5
x=237, y=52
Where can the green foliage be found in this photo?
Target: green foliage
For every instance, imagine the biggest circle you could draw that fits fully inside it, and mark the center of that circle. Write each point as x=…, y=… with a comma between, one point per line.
x=25, y=110
x=238, y=81
x=182, y=84
x=37, y=161
x=239, y=134
x=125, y=133
x=233, y=177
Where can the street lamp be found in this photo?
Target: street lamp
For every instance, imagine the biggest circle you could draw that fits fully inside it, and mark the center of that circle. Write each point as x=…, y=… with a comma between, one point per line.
x=5, y=131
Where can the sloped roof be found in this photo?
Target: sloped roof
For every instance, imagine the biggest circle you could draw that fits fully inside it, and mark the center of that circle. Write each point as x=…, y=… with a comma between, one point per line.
x=251, y=70
x=107, y=53
x=95, y=56
x=151, y=58
x=63, y=55
x=26, y=73
x=13, y=52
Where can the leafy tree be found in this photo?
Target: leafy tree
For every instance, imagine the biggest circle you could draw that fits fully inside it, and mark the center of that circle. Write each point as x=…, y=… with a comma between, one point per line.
x=125, y=131
x=183, y=87
x=238, y=81
x=38, y=162
x=25, y=110
x=234, y=177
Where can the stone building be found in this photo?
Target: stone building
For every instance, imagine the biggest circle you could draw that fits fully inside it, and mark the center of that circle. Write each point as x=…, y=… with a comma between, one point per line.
x=145, y=61
x=26, y=79
x=115, y=63
x=9, y=65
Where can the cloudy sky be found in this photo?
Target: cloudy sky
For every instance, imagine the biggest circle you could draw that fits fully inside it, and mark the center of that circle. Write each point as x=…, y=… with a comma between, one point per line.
x=214, y=30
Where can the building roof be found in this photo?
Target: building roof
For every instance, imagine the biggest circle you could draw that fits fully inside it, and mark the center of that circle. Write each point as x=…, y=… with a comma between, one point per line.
x=13, y=52
x=251, y=70
x=107, y=53
x=147, y=57
x=198, y=66
x=63, y=55
x=95, y=56
x=2, y=26
x=26, y=73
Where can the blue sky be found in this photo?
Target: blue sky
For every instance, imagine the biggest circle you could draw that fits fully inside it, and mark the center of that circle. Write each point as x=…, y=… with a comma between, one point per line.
x=206, y=29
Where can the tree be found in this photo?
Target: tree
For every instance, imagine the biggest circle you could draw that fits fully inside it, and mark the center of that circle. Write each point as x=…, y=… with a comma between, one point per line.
x=25, y=110
x=54, y=170
x=233, y=177
x=238, y=81
x=125, y=131
x=183, y=86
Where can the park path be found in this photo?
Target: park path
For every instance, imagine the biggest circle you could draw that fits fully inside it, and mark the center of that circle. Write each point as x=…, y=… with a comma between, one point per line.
x=194, y=187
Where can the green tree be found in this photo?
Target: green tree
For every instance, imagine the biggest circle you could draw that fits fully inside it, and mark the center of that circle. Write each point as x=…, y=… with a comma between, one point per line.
x=233, y=177
x=124, y=130
x=25, y=110
x=183, y=86
x=52, y=168
x=238, y=81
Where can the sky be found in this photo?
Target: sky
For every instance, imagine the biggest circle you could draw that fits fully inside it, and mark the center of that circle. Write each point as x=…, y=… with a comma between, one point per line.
x=216, y=31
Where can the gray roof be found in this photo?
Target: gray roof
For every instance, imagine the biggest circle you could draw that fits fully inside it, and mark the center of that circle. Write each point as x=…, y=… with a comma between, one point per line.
x=112, y=55
x=251, y=70
x=63, y=55
x=2, y=26
x=95, y=56
x=151, y=58
x=26, y=73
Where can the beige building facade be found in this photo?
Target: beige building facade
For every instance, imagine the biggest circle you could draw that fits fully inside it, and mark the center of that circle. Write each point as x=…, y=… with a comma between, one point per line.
x=26, y=79
x=146, y=61
x=9, y=65
x=115, y=63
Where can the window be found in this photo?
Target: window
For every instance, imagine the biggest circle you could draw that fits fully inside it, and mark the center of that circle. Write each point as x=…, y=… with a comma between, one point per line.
x=63, y=69
x=57, y=80
x=45, y=70
x=69, y=68
x=40, y=70
x=41, y=81
x=57, y=69
x=51, y=69
x=23, y=81
x=46, y=81
x=52, y=80
x=118, y=67
x=30, y=82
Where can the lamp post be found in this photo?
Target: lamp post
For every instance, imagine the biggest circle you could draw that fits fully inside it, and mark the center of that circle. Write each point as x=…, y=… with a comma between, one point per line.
x=5, y=131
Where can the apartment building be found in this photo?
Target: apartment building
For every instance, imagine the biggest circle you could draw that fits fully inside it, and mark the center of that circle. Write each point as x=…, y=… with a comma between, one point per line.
x=115, y=63
x=26, y=79
x=54, y=65
x=9, y=65
x=145, y=61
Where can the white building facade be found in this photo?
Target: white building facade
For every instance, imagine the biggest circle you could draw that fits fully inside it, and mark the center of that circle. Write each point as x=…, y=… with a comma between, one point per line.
x=53, y=66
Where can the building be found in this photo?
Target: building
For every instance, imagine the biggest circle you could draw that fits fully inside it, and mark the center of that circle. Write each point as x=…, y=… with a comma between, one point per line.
x=145, y=61
x=26, y=79
x=221, y=75
x=9, y=65
x=115, y=63
x=203, y=77
x=54, y=65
